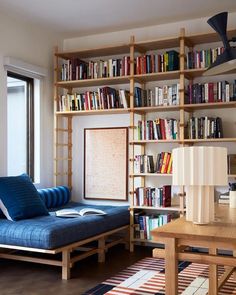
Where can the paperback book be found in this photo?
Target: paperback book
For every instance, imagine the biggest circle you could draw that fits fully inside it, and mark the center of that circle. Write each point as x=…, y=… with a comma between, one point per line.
x=76, y=213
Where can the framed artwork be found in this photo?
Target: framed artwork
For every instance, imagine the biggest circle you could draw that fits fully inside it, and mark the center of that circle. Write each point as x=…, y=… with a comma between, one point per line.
x=106, y=163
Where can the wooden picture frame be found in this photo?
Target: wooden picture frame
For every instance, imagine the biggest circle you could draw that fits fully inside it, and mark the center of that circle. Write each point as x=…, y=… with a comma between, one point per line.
x=106, y=163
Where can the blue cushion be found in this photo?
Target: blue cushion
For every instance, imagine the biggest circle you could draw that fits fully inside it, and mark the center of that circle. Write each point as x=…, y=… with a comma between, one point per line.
x=55, y=197
x=50, y=232
x=19, y=198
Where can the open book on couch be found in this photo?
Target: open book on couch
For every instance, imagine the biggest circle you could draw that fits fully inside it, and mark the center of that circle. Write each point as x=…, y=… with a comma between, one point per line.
x=70, y=212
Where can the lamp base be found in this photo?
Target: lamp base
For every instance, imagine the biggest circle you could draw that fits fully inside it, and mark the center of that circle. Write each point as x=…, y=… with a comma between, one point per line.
x=200, y=204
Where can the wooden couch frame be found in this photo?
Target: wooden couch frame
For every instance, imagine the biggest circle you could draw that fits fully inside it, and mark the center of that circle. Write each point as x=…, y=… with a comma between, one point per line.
x=67, y=262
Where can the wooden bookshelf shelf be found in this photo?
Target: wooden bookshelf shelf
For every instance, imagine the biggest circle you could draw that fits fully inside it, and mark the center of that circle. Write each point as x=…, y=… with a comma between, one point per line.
x=154, y=141
x=175, y=209
x=209, y=140
x=144, y=241
x=152, y=109
x=93, y=82
x=193, y=73
x=150, y=174
x=143, y=78
x=212, y=105
x=94, y=112
x=96, y=52
x=206, y=38
x=232, y=175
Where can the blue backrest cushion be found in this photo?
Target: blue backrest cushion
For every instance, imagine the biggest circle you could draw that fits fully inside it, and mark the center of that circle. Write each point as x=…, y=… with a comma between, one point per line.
x=19, y=198
x=55, y=196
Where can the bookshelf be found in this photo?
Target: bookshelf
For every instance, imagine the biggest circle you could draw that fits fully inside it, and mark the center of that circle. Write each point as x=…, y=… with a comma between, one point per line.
x=183, y=111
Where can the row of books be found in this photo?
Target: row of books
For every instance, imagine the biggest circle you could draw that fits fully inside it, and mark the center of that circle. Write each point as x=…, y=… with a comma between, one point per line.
x=153, y=196
x=155, y=63
x=77, y=69
x=146, y=164
x=159, y=96
x=222, y=91
x=145, y=223
x=205, y=127
x=158, y=129
x=200, y=59
x=104, y=98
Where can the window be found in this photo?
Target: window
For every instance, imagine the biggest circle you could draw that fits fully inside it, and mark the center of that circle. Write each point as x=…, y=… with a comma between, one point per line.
x=20, y=124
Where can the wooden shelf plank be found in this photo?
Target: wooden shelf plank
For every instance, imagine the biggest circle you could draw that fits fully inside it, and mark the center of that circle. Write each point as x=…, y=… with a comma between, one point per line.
x=233, y=139
x=211, y=105
x=96, y=52
x=193, y=73
x=207, y=38
x=93, y=82
x=144, y=241
x=232, y=175
x=150, y=174
x=93, y=112
x=171, y=75
x=141, y=110
x=157, y=208
x=155, y=141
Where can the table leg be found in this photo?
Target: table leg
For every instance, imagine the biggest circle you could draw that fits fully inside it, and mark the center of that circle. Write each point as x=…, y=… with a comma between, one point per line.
x=213, y=275
x=171, y=267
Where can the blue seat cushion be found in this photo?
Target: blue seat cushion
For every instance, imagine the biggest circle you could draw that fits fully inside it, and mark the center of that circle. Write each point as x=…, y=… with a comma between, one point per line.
x=19, y=198
x=55, y=196
x=50, y=232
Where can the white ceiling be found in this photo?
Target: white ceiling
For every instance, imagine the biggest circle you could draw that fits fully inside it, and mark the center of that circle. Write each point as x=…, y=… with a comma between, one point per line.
x=78, y=17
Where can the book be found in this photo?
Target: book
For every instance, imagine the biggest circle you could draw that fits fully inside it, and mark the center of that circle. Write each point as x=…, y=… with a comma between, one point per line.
x=76, y=213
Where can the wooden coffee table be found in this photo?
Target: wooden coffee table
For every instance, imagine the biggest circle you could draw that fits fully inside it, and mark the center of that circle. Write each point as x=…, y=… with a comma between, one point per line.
x=179, y=234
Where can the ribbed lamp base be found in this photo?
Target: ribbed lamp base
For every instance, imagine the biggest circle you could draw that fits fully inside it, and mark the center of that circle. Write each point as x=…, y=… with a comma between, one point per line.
x=200, y=204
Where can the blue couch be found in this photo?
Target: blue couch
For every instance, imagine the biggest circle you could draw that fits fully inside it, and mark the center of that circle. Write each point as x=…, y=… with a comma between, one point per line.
x=51, y=234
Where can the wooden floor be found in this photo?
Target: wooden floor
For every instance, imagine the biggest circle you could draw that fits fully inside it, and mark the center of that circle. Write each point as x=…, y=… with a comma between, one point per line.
x=21, y=278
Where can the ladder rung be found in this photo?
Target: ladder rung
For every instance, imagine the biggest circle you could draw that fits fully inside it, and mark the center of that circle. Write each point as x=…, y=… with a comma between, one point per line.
x=63, y=159
x=63, y=144
x=63, y=173
x=63, y=130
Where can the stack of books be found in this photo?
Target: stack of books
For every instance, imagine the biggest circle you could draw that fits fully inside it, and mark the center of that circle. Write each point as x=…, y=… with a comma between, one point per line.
x=153, y=196
x=200, y=59
x=154, y=63
x=159, y=96
x=104, y=98
x=158, y=129
x=146, y=164
x=211, y=92
x=205, y=127
x=144, y=223
x=77, y=69
x=224, y=198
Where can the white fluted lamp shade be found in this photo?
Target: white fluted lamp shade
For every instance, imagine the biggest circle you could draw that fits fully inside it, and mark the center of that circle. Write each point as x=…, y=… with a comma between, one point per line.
x=199, y=169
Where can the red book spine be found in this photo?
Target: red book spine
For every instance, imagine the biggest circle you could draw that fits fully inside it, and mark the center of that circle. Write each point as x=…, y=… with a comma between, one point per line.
x=163, y=131
x=211, y=92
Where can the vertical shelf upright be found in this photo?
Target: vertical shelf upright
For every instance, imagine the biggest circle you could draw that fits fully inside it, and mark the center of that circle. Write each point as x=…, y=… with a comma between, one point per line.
x=62, y=136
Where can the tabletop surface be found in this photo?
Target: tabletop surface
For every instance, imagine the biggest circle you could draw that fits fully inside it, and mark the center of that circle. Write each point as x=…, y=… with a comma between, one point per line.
x=224, y=227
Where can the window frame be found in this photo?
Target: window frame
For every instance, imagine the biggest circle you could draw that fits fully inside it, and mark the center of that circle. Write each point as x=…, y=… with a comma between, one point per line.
x=30, y=157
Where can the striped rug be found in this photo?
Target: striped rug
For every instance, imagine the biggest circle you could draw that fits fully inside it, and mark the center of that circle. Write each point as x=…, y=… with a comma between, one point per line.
x=147, y=277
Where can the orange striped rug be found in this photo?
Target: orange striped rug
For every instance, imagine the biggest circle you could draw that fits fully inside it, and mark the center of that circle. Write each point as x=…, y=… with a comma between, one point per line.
x=147, y=277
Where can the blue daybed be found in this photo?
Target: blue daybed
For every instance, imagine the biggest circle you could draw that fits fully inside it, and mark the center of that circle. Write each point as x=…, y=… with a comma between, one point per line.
x=51, y=234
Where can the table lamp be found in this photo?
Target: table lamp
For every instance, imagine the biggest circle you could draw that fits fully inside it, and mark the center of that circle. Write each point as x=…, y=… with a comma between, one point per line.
x=199, y=169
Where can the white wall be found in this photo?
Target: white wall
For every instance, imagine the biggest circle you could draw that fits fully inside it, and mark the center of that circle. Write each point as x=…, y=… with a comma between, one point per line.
x=114, y=38
x=33, y=45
